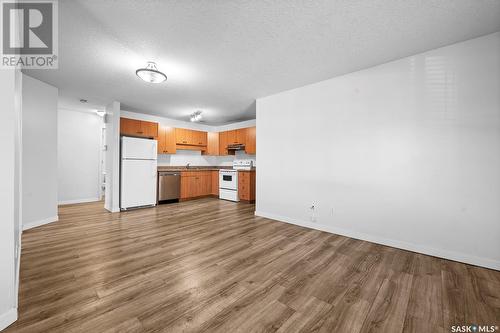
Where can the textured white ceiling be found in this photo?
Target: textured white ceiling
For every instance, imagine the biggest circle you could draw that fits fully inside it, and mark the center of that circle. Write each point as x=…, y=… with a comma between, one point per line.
x=220, y=56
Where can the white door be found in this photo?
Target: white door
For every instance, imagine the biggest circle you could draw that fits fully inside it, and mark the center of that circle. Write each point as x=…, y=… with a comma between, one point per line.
x=136, y=148
x=138, y=183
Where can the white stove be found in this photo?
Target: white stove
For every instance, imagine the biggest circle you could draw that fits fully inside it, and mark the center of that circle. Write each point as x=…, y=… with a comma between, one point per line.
x=228, y=180
x=228, y=184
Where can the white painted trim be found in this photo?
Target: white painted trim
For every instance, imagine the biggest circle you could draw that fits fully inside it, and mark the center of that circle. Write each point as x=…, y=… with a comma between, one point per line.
x=19, y=156
x=90, y=110
x=8, y=318
x=38, y=223
x=18, y=266
x=233, y=126
x=77, y=201
x=441, y=253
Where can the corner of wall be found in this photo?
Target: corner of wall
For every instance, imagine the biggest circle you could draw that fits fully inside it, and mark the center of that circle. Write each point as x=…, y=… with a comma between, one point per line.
x=38, y=223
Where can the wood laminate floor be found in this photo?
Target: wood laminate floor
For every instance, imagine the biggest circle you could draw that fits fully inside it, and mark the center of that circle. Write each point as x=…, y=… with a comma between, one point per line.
x=212, y=266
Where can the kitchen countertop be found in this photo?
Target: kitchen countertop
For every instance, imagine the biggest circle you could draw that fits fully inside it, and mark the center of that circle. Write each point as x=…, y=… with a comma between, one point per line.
x=192, y=168
x=195, y=168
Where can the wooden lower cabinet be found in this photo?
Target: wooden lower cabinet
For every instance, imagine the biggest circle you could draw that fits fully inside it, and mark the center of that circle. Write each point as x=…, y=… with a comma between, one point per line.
x=196, y=184
x=246, y=185
x=215, y=183
x=200, y=183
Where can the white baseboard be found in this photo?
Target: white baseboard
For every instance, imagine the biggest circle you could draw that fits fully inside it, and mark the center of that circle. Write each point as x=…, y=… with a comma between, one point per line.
x=451, y=255
x=38, y=223
x=8, y=318
x=111, y=208
x=77, y=201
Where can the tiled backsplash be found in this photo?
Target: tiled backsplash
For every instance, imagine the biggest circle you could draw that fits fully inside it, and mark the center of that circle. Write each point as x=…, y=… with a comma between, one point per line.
x=182, y=157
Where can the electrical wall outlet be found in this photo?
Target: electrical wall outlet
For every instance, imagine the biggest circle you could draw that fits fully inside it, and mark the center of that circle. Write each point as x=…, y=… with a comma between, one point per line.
x=313, y=212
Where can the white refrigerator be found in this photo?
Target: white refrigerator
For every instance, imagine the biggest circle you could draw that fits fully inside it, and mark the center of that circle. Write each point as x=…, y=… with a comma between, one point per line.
x=138, y=173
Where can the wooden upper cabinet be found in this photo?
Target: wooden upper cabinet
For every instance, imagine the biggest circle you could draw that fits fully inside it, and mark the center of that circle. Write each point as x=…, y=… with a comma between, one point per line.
x=238, y=136
x=232, y=137
x=190, y=137
x=212, y=143
x=182, y=136
x=161, y=140
x=129, y=126
x=139, y=128
x=250, y=141
x=244, y=136
x=241, y=136
x=199, y=138
x=149, y=129
x=196, y=138
x=166, y=140
x=223, y=143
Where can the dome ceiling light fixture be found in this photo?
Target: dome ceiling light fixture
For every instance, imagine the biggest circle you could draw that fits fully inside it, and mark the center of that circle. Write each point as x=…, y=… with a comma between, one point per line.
x=196, y=116
x=151, y=74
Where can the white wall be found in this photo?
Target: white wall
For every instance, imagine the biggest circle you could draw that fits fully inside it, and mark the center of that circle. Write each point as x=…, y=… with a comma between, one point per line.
x=406, y=153
x=39, y=131
x=8, y=179
x=79, y=144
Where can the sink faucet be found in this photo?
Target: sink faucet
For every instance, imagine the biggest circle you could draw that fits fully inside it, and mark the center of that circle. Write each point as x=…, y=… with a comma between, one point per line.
x=187, y=166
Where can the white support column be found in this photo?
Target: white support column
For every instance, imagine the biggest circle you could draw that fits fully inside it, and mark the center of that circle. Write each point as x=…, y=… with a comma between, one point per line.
x=112, y=192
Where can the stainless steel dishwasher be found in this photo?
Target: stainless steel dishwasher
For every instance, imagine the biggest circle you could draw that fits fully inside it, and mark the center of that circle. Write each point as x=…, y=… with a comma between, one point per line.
x=169, y=185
